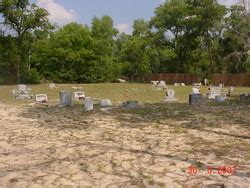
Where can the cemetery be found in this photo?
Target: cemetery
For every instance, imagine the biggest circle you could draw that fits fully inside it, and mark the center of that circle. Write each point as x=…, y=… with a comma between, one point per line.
x=131, y=134
x=124, y=94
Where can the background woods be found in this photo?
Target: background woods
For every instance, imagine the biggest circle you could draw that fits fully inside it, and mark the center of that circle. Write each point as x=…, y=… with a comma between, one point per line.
x=200, y=38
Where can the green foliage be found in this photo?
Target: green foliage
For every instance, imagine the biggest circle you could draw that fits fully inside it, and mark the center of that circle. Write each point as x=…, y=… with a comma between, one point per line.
x=184, y=36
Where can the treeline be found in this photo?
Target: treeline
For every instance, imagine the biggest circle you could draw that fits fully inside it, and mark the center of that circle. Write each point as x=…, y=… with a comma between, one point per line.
x=184, y=36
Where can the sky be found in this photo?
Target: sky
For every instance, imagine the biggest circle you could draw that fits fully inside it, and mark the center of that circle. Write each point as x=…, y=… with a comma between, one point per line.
x=123, y=12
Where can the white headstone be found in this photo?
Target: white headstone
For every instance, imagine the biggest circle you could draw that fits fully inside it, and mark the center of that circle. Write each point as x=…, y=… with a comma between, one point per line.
x=213, y=92
x=170, y=96
x=42, y=98
x=219, y=98
x=79, y=95
x=88, y=104
x=105, y=103
x=162, y=84
x=183, y=84
x=206, y=81
x=52, y=85
x=155, y=83
x=22, y=87
x=195, y=90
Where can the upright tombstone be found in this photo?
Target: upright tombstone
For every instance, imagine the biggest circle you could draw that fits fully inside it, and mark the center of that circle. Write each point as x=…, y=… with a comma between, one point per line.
x=213, y=92
x=195, y=98
x=22, y=88
x=88, y=104
x=105, y=103
x=205, y=81
x=22, y=92
x=65, y=98
x=162, y=84
x=195, y=90
x=52, y=86
x=170, y=96
x=230, y=90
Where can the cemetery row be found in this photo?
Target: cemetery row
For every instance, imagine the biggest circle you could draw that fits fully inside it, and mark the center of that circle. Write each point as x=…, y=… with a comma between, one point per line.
x=67, y=98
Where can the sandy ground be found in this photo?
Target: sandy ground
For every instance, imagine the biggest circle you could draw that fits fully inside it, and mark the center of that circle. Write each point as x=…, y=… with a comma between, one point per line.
x=150, y=147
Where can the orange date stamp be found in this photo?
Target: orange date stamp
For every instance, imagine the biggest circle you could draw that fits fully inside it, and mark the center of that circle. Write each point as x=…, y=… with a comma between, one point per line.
x=221, y=170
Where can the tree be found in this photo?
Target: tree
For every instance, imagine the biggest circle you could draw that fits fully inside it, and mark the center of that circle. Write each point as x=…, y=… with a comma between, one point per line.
x=23, y=18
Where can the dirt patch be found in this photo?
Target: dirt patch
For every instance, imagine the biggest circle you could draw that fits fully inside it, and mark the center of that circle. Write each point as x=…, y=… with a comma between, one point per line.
x=153, y=146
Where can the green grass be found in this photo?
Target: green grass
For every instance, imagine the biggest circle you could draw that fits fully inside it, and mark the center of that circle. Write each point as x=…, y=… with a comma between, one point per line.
x=117, y=92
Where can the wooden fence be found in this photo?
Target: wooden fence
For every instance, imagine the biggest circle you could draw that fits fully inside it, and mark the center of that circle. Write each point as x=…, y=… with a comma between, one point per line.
x=188, y=79
x=171, y=78
x=231, y=79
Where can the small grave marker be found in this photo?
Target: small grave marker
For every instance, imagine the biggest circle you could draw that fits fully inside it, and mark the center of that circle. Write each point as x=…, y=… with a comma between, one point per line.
x=105, y=103
x=131, y=104
x=195, y=98
x=219, y=98
x=41, y=98
x=170, y=96
x=245, y=97
x=79, y=95
x=52, y=86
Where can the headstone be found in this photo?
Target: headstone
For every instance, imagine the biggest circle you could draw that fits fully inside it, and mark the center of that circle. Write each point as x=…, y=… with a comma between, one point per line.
x=88, y=104
x=105, y=103
x=195, y=90
x=195, y=98
x=170, y=96
x=219, y=98
x=22, y=92
x=52, y=85
x=197, y=85
x=162, y=84
x=41, y=98
x=213, y=92
x=65, y=98
x=131, y=104
x=177, y=84
x=22, y=87
x=23, y=96
x=183, y=84
x=230, y=91
x=245, y=97
x=221, y=85
x=121, y=80
x=76, y=88
x=79, y=95
x=206, y=81
x=154, y=83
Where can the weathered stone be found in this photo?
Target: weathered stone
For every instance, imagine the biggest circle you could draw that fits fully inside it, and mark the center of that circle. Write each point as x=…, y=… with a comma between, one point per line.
x=195, y=98
x=65, y=98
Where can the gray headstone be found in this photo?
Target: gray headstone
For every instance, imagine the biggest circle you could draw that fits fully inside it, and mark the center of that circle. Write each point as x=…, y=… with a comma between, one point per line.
x=105, y=103
x=219, y=98
x=195, y=98
x=245, y=97
x=88, y=104
x=65, y=98
x=131, y=104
